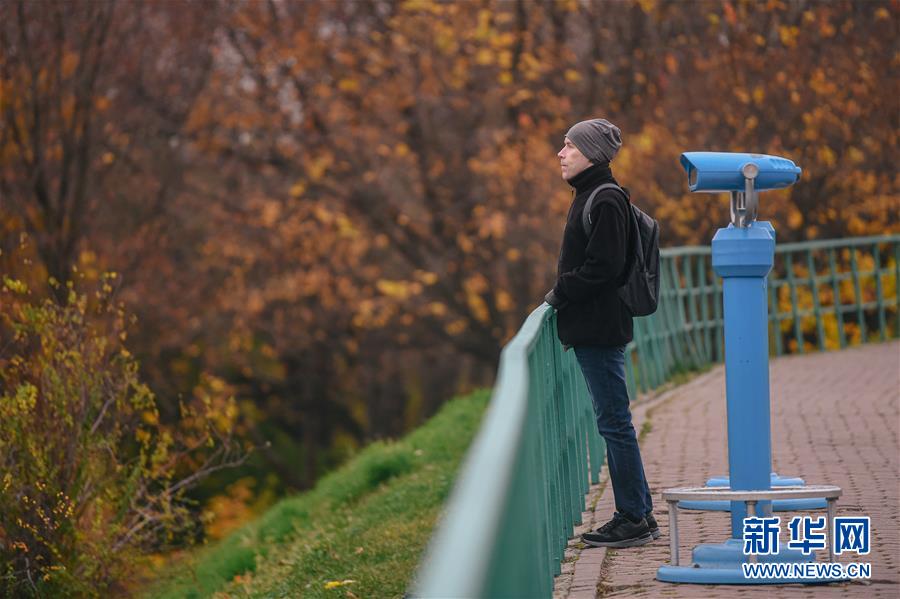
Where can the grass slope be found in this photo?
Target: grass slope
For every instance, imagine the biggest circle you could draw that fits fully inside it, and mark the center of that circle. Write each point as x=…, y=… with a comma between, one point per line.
x=367, y=522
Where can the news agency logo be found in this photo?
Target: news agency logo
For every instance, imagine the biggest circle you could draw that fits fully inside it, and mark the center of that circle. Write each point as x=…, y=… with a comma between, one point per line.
x=813, y=533
x=852, y=535
x=761, y=535
x=849, y=535
x=808, y=534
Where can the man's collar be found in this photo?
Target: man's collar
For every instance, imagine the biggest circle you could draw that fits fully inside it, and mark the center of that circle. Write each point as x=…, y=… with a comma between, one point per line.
x=591, y=177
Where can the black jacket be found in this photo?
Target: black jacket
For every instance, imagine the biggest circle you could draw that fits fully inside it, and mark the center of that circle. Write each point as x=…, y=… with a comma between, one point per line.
x=591, y=270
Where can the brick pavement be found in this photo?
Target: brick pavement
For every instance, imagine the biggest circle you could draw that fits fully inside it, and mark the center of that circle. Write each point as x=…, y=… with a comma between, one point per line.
x=835, y=420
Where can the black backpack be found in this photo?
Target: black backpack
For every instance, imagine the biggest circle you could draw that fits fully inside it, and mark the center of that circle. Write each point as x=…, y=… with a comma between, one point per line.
x=641, y=290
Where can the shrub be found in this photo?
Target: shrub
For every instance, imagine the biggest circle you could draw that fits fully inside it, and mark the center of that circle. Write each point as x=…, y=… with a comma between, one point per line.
x=89, y=476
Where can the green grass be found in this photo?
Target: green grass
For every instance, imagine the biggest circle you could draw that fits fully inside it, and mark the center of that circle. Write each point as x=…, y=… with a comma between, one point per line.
x=368, y=522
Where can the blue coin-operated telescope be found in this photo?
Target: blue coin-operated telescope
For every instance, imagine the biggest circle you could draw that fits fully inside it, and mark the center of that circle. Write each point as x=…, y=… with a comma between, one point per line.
x=743, y=254
x=743, y=175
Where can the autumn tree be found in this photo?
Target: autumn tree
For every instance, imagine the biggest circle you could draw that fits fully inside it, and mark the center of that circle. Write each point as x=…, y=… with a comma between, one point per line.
x=345, y=209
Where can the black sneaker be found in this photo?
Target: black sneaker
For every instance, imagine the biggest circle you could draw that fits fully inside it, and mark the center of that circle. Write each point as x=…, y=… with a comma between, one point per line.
x=652, y=525
x=619, y=532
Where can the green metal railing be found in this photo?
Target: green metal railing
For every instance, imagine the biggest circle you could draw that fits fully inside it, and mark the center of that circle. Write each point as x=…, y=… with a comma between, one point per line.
x=521, y=489
x=822, y=295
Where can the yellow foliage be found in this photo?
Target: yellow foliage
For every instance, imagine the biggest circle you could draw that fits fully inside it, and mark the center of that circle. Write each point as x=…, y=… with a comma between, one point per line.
x=333, y=584
x=493, y=226
x=759, y=94
x=478, y=307
x=346, y=228
x=319, y=165
x=399, y=290
x=14, y=285
x=483, y=30
x=456, y=327
x=464, y=243
x=297, y=189
x=428, y=278
x=437, y=308
x=416, y=5
x=827, y=156
x=788, y=35
x=484, y=57
x=228, y=511
x=271, y=212
x=348, y=85
x=476, y=283
x=504, y=301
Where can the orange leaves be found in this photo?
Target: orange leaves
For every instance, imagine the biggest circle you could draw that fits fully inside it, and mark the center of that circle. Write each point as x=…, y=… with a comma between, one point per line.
x=474, y=287
x=731, y=16
x=348, y=85
x=400, y=290
x=464, y=243
x=648, y=6
x=504, y=300
x=531, y=67
x=230, y=509
x=788, y=35
x=456, y=327
x=822, y=83
x=827, y=156
x=759, y=94
x=427, y=278
x=271, y=212
x=318, y=165
x=297, y=189
x=346, y=173
x=483, y=29
x=438, y=309
x=426, y=6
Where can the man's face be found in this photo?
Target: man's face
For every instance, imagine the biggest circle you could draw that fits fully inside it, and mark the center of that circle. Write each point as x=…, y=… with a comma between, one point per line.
x=571, y=160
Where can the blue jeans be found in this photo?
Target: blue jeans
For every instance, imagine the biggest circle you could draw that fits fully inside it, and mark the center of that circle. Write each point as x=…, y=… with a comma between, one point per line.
x=604, y=372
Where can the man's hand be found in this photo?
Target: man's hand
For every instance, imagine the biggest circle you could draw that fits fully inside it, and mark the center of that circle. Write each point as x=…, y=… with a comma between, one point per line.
x=554, y=300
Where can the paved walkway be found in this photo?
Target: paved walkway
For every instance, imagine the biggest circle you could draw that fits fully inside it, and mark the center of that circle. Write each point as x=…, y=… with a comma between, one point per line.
x=835, y=420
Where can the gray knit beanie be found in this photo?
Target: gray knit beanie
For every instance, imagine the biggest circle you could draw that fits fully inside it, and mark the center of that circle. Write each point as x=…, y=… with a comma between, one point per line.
x=598, y=139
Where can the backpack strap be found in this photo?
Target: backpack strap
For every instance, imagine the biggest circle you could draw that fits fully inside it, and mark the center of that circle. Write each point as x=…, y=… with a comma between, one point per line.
x=586, y=213
x=638, y=259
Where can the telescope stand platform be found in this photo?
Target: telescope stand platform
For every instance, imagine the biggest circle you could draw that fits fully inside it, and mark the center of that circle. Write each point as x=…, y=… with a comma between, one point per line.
x=721, y=563
x=781, y=505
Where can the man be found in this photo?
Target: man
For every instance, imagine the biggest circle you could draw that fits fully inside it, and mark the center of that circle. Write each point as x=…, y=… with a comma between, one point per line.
x=592, y=319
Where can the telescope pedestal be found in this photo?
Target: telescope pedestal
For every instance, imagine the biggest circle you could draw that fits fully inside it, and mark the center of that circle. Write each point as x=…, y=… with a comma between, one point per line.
x=743, y=257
